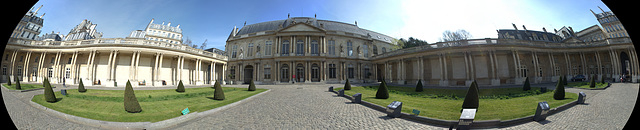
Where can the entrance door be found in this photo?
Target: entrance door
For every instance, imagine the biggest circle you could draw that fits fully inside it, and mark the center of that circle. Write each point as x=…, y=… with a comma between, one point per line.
x=626, y=67
x=248, y=74
x=284, y=73
x=315, y=75
x=300, y=73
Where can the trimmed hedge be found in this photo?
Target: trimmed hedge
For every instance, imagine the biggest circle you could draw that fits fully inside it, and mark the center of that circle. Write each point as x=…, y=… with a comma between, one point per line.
x=347, y=85
x=558, y=94
x=218, y=93
x=383, y=91
x=9, y=80
x=252, y=86
x=180, y=87
x=81, y=87
x=18, y=87
x=49, y=96
x=527, y=85
x=592, y=83
x=471, y=100
x=131, y=104
x=419, y=86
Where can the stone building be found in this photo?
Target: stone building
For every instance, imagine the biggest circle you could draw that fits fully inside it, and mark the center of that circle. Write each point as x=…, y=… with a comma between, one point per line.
x=29, y=26
x=305, y=50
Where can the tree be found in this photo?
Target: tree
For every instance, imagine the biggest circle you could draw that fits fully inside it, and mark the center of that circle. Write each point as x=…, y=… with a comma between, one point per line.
x=383, y=92
x=460, y=34
x=399, y=43
x=18, y=86
x=180, y=87
x=218, y=93
x=471, y=100
x=131, y=104
x=204, y=44
x=49, y=96
x=81, y=87
x=419, y=86
x=252, y=86
x=526, y=86
x=187, y=42
x=558, y=94
x=347, y=85
x=411, y=42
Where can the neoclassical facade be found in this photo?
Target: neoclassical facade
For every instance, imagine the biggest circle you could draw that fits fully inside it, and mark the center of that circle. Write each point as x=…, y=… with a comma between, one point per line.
x=303, y=50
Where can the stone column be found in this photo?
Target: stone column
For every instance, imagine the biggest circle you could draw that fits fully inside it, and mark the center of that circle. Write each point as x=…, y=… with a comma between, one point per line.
x=307, y=73
x=224, y=68
x=74, y=78
x=495, y=80
x=25, y=70
x=41, y=72
x=135, y=73
x=212, y=74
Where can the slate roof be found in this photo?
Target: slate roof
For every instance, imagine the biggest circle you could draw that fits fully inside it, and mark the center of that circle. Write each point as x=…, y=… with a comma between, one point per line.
x=326, y=24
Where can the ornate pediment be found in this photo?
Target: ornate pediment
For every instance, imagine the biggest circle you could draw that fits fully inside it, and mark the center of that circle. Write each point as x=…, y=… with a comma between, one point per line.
x=301, y=27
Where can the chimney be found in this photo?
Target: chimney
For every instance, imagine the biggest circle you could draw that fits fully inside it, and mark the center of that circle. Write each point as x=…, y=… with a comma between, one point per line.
x=555, y=30
x=544, y=29
x=35, y=13
x=288, y=14
x=525, y=28
x=42, y=15
x=598, y=8
x=514, y=26
x=571, y=29
x=178, y=26
x=356, y=23
x=169, y=24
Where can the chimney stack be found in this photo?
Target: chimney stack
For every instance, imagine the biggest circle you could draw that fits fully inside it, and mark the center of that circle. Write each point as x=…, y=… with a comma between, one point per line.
x=544, y=29
x=35, y=13
x=514, y=26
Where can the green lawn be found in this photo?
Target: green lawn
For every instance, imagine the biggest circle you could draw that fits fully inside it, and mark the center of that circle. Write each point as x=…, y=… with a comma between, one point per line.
x=23, y=85
x=157, y=105
x=434, y=103
x=585, y=85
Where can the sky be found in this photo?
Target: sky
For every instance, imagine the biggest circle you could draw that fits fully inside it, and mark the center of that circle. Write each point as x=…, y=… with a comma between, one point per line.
x=213, y=20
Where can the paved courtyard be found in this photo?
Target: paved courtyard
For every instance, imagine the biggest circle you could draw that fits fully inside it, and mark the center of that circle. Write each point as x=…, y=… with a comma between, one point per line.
x=312, y=107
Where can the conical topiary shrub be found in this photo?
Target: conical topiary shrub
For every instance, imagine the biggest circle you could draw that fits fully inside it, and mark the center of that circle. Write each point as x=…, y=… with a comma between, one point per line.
x=49, y=96
x=18, y=86
x=564, y=80
x=252, y=86
x=471, y=100
x=131, y=104
x=218, y=93
x=558, y=94
x=592, y=83
x=419, y=86
x=81, y=87
x=383, y=92
x=180, y=87
x=527, y=85
x=347, y=85
x=9, y=80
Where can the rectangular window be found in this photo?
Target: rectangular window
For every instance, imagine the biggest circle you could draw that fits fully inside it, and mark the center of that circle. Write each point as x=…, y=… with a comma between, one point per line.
x=250, y=52
x=332, y=70
x=50, y=72
x=36, y=59
x=285, y=48
x=67, y=73
x=21, y=58
x=350, y=49
x=365, y=50
x=69, y=61
x=351, y=75
x=314, y=48
x=267, y=48
x=300, y=48
x=4, y=70
x=232, y=72
x=234, y=51
x=6, y=57
x=267, y=73
x=53, y=60
x=332, y=47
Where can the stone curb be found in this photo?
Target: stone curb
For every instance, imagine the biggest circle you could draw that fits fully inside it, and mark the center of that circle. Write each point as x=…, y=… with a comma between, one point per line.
x=164, y=124
x=608, y=85
x=476, y=124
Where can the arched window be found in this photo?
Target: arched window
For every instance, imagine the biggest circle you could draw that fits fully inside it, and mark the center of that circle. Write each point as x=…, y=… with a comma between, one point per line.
x=300, y=48
x=384, y=50
x=349, y=48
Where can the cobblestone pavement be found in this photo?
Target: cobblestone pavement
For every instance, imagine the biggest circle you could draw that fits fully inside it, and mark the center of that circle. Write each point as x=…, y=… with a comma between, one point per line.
x=24, y=116
x=300, y=107
x=312, y=107
x=603, y=110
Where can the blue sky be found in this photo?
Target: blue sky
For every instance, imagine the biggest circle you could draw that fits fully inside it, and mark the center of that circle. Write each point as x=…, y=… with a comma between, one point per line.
x=426, y=20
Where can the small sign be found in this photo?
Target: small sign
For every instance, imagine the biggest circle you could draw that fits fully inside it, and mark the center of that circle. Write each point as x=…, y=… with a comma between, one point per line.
x=185, y=111
x=417, y=112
